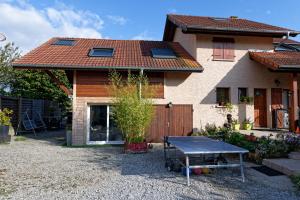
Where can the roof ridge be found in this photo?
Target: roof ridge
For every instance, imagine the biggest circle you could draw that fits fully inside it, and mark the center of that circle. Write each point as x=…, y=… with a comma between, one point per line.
x=108, y=39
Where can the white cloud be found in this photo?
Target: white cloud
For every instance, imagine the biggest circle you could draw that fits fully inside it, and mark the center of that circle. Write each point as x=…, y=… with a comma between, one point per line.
x=117, y=19
x=28, y=27
x=143, y=36
x=268, y=12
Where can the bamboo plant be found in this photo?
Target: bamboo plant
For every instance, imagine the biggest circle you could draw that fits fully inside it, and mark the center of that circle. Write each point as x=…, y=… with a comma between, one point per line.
x=132, y=105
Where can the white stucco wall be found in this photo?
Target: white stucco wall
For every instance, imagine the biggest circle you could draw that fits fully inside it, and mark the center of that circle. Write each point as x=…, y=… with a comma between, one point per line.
x=200, y=88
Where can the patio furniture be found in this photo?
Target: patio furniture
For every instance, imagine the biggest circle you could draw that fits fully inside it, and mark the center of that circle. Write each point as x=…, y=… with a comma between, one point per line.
x=195, y=147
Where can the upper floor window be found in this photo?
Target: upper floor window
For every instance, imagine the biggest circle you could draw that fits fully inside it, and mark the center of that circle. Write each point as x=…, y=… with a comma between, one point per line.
x=223, y=96
x=101, y=52
x=223, y=49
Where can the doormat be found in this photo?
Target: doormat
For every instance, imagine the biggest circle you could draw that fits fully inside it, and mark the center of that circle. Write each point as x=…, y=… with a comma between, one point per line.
x=267, y=171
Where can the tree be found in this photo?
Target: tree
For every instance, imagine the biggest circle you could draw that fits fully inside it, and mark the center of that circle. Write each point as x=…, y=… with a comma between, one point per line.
x=29, y=83
x=8, y=53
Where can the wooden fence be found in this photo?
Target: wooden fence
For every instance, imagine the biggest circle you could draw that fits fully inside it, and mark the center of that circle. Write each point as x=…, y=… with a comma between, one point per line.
x=33, y=107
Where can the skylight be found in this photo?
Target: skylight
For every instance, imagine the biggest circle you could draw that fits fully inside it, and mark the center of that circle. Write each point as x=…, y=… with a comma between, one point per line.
x=219, y=18
x=101, y=52
x=64, y=42
x=163, y=53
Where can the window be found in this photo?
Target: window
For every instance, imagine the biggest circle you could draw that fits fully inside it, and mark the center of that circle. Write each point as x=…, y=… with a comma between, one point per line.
x=64, y=42
x=223, y=96
x=102, y=126
x=223, y=49
x=243, y=92
x=162, y=53
x=101, y=52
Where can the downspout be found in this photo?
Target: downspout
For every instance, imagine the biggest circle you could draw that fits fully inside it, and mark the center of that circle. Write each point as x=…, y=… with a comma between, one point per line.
x=140, y=83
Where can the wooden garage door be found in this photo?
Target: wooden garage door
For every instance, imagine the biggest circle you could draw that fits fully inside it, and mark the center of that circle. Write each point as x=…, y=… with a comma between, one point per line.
x=174, y=121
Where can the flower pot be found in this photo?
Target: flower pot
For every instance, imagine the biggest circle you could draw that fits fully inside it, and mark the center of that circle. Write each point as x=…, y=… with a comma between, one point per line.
x=247, y=126
x=236, y=127
x=4, y=134
x=141, y=147
x=251, y=138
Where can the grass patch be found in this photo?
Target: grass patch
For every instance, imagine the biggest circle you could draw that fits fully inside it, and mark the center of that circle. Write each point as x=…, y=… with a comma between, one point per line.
x=20, y=138
x=60, y=139
x=296, y=180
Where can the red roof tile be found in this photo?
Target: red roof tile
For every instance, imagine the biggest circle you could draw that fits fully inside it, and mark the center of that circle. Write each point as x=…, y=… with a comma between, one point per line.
x=221, y=25
x=281, y=60
x=285, y=41
x=127, y=54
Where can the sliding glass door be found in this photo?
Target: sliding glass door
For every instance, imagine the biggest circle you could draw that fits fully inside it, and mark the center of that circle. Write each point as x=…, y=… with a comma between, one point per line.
x=101, y=126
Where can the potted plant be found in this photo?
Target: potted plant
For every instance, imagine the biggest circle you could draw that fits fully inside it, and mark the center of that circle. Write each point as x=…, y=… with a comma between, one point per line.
x=4, y=125
x=236, y=125
x=222, y=101
x=246, y=99
x=247, y=124
x=251, y=137
x=132, y=109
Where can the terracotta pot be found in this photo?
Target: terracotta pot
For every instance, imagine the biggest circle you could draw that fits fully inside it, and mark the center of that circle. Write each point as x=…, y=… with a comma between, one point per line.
x=141, y=147
x=251, y=138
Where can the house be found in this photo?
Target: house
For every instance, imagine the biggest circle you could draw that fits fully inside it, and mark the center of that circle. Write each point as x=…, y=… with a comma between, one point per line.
x=202, y=64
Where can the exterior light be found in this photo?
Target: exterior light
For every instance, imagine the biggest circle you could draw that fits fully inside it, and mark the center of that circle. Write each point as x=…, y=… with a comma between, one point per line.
x=277, y=82
x=170, y=105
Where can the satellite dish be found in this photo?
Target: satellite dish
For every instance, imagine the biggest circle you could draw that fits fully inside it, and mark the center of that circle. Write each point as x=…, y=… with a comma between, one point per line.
x=2, y=37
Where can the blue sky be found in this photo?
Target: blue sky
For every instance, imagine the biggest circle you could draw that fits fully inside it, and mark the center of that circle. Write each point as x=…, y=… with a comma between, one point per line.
x=31, y=22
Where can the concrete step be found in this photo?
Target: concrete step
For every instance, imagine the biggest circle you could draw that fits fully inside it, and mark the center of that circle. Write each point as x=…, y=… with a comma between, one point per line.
x=283, y=165
x=294, y=155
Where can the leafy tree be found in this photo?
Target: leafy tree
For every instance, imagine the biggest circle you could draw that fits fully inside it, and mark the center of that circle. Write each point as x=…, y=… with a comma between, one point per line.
x=34, y=84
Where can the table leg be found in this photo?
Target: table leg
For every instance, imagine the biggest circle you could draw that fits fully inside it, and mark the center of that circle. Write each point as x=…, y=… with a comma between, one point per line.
x=242, y=167
x=187, y=168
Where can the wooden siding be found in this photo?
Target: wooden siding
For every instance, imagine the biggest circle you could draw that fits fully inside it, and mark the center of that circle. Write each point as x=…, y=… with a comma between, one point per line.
x=95, y=83
x=174, y=121
x=92, y=84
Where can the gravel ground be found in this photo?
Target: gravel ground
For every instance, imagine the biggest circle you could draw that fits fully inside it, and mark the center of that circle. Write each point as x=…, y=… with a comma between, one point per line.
x=41, y=168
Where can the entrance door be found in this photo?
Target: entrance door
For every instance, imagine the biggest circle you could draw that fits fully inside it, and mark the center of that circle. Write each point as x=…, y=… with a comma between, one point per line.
x=260, y=108
x=101, y=126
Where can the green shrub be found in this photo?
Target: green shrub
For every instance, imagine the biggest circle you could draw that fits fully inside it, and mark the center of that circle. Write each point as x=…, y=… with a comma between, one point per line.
x=271, y=148
x=296, y=180
x=235, y=138
x=5, y=117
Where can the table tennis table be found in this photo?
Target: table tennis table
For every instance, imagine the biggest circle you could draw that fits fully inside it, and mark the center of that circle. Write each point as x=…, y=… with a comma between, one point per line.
x=191, y=146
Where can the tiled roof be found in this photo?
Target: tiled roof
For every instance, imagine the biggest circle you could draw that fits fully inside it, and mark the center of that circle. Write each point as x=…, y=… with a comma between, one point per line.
x=128, y=54
x=285, y=41
x=282, y=60
x=230, y=25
